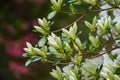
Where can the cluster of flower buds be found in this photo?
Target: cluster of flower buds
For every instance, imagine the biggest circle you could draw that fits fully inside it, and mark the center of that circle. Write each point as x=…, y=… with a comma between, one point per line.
x=92, y=26
x=104, y=24
x=32, y=51
x=44, y=26
x=69, y=72
x=56, y=4
x=57, y=73
x=72, y=31
x=111, y=72
x=94, y=40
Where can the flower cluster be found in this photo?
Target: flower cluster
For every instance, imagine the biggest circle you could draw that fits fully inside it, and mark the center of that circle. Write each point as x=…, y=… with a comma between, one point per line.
x=111, y=72
x=83, y=59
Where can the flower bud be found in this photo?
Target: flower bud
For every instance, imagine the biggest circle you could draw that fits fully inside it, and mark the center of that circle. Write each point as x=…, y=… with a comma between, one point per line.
x=77, y=60
x=72, y=31
x=54, y=41
x=92, y=26
x=56, y=4
x=94, y=40
x=79, y=44
x=29, y=48
x=57, y=73
x=104, y=24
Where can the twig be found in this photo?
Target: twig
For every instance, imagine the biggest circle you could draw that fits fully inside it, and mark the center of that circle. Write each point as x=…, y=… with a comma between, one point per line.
x=104, y=52
x=82, y=16
x=90, y=11
x=70, y=24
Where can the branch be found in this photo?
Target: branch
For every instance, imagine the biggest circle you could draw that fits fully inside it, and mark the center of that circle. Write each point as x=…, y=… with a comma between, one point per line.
x=69, y=24
x=90, y=11
x=82, y=16
x=104, y=52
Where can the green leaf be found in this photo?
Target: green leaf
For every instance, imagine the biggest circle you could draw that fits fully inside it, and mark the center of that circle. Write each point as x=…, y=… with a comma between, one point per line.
x=26, y=55
x=118, y=42
x=57, y=61
x=27, y=62
x=111, y=56
x=78, y=2
x=65, y=38
x=99, y=69
x=114, y=23
x=90, y=7
x=80, y=32
x=51, y=15
x=35, y=58
x=117, y=71
x=91, y=48
x=42, y=41
x=72, y=8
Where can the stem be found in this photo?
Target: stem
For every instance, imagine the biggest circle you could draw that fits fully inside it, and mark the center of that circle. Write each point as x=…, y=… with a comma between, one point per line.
x=70, y=24
x=90, y=11
x=104, y=52
x=81, y=16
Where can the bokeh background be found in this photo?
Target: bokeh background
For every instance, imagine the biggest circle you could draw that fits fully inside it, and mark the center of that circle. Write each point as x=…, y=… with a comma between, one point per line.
x=17, y=18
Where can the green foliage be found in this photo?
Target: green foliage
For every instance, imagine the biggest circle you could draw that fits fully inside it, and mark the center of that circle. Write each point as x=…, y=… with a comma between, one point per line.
x=83, y=61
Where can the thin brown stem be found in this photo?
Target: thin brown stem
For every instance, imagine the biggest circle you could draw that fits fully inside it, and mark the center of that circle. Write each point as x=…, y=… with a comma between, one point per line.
x=71, y=23
x=104, y=52
x=89, y=11
x=82, y=16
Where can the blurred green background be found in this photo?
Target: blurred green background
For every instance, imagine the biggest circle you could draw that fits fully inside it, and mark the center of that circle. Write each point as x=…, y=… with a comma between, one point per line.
x=17, y=18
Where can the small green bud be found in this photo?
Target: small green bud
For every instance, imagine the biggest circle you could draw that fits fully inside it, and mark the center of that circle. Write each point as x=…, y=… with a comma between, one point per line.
x=40, y=52
x=94, y=40
x=41, y=30
x=43, y=23
x=92, y=26
x=68, y=47
x=29, y=48
x=57, y=73
x=104, y=24
x=54, y=41
x=72, y=31
x=79, y=44
x=56, y=4
x=77, y=60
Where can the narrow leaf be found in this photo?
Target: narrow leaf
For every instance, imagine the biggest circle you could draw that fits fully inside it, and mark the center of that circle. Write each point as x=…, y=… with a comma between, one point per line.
x=42, y=41
x=57, y=61
x=72, y=8
x=28, y=62
x=26, y=55
x=35, y=58
x=51, y=15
